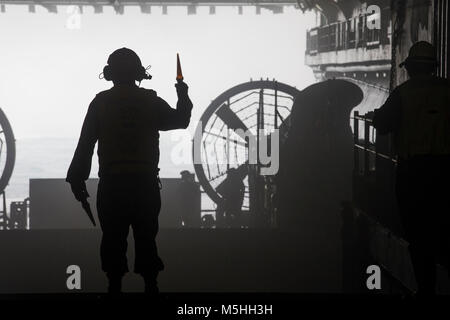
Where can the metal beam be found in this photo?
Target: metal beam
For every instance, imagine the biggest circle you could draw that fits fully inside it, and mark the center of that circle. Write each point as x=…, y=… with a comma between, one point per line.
x=151, y=2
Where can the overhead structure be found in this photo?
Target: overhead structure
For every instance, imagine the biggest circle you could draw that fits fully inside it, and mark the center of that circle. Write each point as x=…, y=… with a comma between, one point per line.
x=276, y=6
x=154, y=2
x=350, y=40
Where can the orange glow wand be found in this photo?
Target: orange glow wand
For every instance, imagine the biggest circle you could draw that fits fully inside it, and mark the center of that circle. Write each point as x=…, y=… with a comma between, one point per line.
x=179, y=72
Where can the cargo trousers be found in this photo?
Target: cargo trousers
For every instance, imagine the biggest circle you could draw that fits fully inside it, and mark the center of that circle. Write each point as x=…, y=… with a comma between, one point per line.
x=125, y=201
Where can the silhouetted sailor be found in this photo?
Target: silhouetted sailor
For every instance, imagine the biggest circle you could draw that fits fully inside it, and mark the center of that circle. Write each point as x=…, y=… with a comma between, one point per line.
x=232, y=190
x=418, y=114
x=125, y=121
x=189, y=201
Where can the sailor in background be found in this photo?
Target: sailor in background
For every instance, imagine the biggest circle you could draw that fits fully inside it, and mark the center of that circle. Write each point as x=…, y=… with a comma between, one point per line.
x=189, y=201
x=417, y=113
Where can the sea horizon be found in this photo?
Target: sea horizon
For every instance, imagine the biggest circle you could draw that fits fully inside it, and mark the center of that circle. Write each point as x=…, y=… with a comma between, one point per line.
x=50, y=157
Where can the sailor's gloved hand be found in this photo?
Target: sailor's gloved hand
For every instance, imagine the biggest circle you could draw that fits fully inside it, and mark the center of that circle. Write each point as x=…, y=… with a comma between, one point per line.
x=369, y=115
x=182, y=89
x=79, y=190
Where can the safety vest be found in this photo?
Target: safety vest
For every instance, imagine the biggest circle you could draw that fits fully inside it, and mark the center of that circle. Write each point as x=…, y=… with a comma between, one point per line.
x=128, y=137
x=425, y=117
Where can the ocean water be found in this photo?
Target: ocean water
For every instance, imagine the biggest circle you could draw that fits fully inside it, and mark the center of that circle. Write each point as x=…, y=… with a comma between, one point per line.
x=51, y=157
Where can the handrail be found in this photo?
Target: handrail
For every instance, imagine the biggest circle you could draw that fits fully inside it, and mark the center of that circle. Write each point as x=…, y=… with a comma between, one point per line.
x=376, y=153
x=366, y=144
x=362, y=118
x=372, y=85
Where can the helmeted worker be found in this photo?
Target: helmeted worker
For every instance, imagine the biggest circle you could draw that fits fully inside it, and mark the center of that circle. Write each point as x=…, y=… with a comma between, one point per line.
x=189, y=201
x=417, y=113
x=125, y=121
x=232, y=190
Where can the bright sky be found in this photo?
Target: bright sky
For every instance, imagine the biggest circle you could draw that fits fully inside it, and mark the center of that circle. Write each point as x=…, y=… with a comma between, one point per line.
x=49, y=71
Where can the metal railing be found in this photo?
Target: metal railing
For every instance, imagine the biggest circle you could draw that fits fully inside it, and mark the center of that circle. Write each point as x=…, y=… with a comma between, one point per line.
x=349, y=34
x=371, y=226
x=368, y=145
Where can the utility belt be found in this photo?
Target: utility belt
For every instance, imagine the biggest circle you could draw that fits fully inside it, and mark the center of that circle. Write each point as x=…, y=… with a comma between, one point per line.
x=134, y=176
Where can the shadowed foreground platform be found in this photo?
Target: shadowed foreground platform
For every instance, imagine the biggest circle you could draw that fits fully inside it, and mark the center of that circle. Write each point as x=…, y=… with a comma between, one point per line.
x=196, y=260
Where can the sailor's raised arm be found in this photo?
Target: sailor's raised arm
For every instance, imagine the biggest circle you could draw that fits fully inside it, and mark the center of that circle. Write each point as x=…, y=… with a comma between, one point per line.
x=179, y=118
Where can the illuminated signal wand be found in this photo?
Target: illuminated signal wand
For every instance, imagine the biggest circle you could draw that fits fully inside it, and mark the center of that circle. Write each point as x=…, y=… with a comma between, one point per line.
x=179, y=72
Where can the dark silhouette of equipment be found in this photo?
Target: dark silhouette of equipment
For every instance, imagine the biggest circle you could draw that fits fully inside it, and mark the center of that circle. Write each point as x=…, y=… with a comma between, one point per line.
x=7, y=159
x=316, y=158
x=50, y=197
x=316, y=165
x=19, y=214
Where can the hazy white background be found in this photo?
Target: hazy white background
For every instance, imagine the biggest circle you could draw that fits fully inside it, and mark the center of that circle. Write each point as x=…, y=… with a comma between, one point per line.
x=49, y=72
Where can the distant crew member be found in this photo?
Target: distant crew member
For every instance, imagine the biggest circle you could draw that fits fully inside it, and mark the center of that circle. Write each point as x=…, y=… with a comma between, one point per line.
x=232, y=190
x=189, y=202
x=417, y=113
x=125, y=121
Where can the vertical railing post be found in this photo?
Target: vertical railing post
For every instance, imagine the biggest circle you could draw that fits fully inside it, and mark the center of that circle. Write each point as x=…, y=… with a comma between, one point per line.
x=5, y=220
x=228, y=141
x=356, y=141
x=366, y=146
